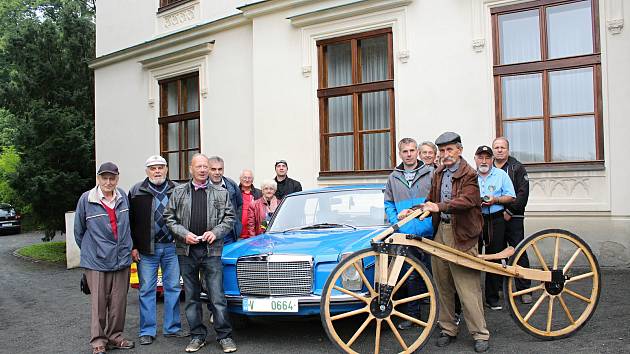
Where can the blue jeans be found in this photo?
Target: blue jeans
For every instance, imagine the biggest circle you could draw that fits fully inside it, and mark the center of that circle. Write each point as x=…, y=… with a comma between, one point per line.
x=211, y=269
x=166, y=258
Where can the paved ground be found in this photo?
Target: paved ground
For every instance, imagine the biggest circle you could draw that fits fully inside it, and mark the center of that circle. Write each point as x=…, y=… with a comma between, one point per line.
x=43, y=311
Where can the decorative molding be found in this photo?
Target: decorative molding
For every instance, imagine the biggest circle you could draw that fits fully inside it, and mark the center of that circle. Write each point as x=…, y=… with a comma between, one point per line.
x=178, y=17
x=614, y=14
x=260, y=8
x=356, y=8
x=306, y=70
x=563, y=188
x=478, y=45
x=403, y=56
x=477, y=11
x=177, y=56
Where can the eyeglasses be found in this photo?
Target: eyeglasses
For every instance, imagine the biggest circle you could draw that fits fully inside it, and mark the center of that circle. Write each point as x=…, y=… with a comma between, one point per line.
x=247, y=178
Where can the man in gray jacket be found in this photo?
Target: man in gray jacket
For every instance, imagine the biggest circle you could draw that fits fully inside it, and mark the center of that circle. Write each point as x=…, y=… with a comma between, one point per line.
x=199, y=214
x=101, y=229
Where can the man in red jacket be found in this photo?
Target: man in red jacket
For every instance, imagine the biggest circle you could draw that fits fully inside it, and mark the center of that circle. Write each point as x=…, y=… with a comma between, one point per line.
x=455, y=203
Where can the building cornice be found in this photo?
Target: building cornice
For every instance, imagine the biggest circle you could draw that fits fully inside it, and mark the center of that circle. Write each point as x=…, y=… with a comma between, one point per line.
x=355, y=8
x=170, y=40
x=260, y=8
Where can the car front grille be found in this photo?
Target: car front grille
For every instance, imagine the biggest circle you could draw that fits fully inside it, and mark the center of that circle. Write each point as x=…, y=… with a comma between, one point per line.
x=273, y=275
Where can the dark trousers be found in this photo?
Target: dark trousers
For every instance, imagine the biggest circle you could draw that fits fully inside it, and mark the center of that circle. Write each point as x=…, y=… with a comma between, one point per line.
x=494, y=241
x=415, y=285
x=109, y=305
x=211, y=269
x=515, y=233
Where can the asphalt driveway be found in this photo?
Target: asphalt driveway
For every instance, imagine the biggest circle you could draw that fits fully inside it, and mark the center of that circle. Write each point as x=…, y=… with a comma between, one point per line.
x=43, y=311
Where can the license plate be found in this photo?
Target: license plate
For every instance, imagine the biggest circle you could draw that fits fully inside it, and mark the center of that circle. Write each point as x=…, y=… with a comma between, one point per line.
x=5, y=224
x=270, y=304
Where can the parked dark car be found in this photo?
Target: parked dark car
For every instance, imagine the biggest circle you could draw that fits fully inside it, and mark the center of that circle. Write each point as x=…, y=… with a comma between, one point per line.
x=9, y=219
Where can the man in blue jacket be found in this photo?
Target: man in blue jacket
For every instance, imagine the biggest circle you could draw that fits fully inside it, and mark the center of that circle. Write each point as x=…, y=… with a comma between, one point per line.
x=409, y=185
x=101, y=229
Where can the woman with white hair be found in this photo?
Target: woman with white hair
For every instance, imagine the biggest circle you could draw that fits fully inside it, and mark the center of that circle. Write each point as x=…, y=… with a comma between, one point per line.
x=262, y=209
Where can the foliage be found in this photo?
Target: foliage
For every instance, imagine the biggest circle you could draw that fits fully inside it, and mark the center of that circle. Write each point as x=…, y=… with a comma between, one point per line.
x=46, y=85
x=49, y=252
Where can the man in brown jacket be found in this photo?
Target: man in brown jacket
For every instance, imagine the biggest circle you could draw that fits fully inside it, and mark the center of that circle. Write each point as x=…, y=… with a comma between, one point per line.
x=455, y=202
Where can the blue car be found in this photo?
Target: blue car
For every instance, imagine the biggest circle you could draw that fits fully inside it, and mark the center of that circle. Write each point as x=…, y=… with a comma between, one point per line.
x=282, y=272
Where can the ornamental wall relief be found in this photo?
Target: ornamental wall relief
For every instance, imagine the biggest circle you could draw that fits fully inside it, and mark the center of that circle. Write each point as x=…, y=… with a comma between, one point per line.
x=178, y=17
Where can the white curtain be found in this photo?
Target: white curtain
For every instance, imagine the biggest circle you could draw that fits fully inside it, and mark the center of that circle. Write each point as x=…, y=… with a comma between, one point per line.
x=171, y=93
x=571, y=91
x=339, y=63
x=527, y=139
x=522, y=96
x=569, y=30
x=519, y=35
x=192, y=94
x=573, y=138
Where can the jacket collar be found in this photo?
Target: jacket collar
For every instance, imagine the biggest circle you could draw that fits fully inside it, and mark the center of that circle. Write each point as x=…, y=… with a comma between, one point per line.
x=460, y=171
x=94, y=198
x=145, y=184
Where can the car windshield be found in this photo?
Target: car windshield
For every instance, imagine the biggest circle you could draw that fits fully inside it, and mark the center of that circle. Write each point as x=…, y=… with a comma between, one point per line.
x=348, y=208
x=7, y=212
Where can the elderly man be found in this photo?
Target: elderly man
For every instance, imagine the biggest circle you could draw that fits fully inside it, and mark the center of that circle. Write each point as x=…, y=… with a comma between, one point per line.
x=285, y=184
x=199, y=214
x=218, y=179
x=101, y=229
x=153, y=248
x=514, y=214
x=249, y=193
x=408, y=185
x=428, y=153
x=454, y=201
x=496, y=190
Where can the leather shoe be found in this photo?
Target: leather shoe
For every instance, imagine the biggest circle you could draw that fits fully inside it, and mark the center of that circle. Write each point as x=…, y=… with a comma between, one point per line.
x=444, y=340
x=178, y=334
x=98, y=350
x=481, y=345
x=145, y=340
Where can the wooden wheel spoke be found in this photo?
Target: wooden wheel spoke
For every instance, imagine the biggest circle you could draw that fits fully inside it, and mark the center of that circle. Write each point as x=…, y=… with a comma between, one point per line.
x=360, y=330
x=580, y=277
x=410, y=299
x=380, y=270
x=556, y=253
x=396, y=333
x=409, y=318
x=566, y=309
x=349, y=314
x=348, y=292
x=571, y=260
x=377, y=339
x=550, y=314
x=535, y=307
x=364, y=279
x=540, y=257
x=402, y=280
x=576, y=295
x=528, y=290
x=394, y=272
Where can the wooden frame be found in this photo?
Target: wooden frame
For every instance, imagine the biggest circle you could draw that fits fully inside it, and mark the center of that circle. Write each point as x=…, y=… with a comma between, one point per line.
x=544, y=67
x=181, y=118
x=356, y=89
x=169, y=4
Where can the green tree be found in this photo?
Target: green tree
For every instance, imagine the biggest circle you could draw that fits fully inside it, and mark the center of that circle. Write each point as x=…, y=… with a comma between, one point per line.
x=45, y=83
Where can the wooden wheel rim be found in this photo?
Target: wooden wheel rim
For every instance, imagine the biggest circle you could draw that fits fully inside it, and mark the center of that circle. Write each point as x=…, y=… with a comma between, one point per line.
x=555, y=300
x=334, y=277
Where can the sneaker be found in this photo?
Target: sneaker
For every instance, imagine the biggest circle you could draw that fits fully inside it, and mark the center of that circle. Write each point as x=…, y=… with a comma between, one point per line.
x=178, y=334
x=496, y=306
x=444, y=340
x=526, y=299
x=228, y=345
x=195, y=344
x=481, y=345
x=404, y=325
x=145, y=340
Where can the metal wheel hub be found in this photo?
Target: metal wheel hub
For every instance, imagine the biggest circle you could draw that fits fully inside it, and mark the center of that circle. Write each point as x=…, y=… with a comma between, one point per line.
x=556, y=285
x=381, y=310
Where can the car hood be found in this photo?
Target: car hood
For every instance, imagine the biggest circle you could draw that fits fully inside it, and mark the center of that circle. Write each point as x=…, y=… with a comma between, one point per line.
x=324, y=245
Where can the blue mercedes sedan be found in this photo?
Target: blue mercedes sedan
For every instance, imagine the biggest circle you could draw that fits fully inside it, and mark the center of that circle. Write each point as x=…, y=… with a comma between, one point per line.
x=282, y=272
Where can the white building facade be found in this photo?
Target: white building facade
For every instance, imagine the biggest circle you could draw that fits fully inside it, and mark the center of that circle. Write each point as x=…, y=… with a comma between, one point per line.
x=332, y=85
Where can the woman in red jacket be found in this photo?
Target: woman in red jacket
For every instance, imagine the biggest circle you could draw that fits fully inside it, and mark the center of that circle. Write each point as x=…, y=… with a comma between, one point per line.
x=262, y=209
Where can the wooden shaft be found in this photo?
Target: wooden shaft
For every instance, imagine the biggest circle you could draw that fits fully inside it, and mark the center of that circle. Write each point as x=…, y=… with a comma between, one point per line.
x=418, y=213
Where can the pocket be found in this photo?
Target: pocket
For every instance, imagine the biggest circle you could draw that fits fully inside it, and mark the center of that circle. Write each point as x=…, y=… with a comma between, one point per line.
x=106, y=253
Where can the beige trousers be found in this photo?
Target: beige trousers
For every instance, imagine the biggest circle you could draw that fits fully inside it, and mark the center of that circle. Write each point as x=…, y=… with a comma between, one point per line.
x=109, y=305
x=449, y=278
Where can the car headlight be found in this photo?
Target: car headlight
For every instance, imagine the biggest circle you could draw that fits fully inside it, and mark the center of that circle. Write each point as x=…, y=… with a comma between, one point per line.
x=350, y=278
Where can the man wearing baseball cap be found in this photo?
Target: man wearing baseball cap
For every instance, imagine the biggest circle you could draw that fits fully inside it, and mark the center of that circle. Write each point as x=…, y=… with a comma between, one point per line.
x=101, y=229
x=496, y=190
x=285, y=184
x=153, y=248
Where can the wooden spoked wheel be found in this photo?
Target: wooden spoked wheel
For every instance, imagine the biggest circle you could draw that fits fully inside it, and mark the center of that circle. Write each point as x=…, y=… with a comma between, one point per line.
x=561, y=307
x=376, y=320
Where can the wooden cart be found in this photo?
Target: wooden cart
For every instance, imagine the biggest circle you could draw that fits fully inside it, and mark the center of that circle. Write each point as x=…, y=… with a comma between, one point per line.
x=564, y=274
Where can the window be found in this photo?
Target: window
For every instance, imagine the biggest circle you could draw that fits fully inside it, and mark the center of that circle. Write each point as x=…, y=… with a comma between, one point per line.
x=547, y=79
x=179, y=123
x=169, y=4
x=356, y=103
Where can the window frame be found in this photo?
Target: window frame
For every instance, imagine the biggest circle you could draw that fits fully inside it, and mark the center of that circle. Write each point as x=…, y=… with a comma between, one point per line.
x=164, y=120
x=544, y=66
x=355, y=89
x=166, y=5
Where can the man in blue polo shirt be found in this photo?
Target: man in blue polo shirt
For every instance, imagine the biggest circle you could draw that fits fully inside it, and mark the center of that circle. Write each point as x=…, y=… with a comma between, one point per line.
x=496, y=190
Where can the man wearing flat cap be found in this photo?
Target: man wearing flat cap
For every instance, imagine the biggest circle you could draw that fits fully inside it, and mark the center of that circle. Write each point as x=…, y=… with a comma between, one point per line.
x=286, y=185
x=101, y=229
x=496, y=191
x=153, y=248
x=454, y=202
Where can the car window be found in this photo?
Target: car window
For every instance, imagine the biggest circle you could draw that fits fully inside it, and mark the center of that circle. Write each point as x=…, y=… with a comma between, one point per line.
x=7, y=212
x=359, y=208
